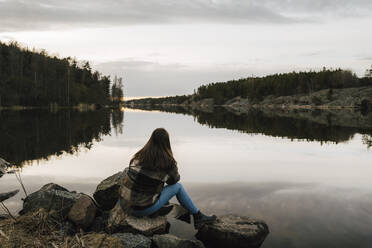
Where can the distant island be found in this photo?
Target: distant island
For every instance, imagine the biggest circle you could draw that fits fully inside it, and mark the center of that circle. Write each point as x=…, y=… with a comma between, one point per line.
x=31, y=78
x=313, y=89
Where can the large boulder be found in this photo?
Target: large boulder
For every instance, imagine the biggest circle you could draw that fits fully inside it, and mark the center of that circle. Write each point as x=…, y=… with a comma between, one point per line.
x=83, y=212
x=130, y=240
x=107, y=192
x=50, y=197
x=233, y=231
x=171, y=241
x=121, y=222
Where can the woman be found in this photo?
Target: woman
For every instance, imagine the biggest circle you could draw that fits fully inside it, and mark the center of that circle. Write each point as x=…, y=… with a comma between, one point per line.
x=143, y=192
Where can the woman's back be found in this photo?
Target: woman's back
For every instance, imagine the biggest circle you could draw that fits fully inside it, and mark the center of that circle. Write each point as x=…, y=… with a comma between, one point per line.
x=142, y=186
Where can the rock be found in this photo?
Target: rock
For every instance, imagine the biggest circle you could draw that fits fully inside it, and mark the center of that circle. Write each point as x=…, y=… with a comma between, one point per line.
x=99, y=223
x=5, y=196
x=171, y=241
x=233, y=231
x=180, y=213
x=116, y=217
x=83, y=212
x=3, y=162
x=120, y=222
x=107, y=192
x=145, y=225
x=130, y=240
x=101, y=240
x=3, y=166
x=50, y=197
x=53, y=186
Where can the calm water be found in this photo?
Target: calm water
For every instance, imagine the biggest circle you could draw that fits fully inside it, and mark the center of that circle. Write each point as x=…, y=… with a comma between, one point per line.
x=309, y=180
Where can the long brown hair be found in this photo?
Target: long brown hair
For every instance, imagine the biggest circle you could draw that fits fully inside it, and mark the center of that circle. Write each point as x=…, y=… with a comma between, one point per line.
x=157, y=153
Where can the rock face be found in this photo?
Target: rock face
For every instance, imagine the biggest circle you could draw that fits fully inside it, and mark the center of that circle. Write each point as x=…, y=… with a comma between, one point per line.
x=107, y=192
x=130, y=240
x=120, y=222
x=83, y=212
x=171, y=241
x=233, y=231
x=50, y=197
x=5, y=196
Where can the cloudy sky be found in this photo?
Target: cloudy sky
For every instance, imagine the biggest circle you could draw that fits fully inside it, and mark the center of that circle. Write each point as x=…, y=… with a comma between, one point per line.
x=168, y=47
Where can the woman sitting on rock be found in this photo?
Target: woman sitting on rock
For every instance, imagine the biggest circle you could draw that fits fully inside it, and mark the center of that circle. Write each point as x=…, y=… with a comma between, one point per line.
x=143, y=193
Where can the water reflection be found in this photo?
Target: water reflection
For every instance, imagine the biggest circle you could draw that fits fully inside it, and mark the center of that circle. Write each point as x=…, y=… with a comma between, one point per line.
x=37, y=134
x=310, y=195
x=310, y=125
x=299, y=215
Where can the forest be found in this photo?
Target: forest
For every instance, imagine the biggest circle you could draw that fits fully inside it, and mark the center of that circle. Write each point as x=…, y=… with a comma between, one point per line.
x=35, y=78
x=256, y=88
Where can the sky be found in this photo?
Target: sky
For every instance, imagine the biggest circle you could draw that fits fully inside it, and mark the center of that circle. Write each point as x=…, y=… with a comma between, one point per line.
x=167, y=47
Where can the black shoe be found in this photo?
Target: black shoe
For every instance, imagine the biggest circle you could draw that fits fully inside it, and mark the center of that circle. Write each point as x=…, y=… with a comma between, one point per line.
x=200, y=219
x=164, y=210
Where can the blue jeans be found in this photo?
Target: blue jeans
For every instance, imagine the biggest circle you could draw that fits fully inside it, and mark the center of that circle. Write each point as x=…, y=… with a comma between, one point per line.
x=168, y=192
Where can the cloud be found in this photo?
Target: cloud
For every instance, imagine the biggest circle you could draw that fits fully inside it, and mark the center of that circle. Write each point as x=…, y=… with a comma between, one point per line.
x=7, y=38
x=134, y=64
x=18, y=15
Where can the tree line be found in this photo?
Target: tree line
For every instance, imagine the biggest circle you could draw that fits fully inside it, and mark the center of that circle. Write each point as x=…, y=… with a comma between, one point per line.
x=160, y=100
x=285, y=84
x=35, y=78
x=256, y=88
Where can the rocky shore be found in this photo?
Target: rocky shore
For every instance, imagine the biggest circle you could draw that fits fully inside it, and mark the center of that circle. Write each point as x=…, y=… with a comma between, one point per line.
x=56, y=217
x=345, y=98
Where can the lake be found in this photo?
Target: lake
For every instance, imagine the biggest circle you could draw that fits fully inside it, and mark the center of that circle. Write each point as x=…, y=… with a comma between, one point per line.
x=307, y=174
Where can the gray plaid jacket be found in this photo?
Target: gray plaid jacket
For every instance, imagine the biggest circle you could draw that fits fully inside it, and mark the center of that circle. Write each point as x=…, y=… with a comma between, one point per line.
x=140, y=188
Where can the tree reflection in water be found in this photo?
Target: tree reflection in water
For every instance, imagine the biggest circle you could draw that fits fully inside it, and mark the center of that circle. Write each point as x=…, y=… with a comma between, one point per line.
x=38, y=134
x=310, y=125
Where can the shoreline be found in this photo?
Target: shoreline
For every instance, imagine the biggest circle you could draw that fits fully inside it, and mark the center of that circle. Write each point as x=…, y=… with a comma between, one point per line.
x=80, y=107
x=345, y=98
